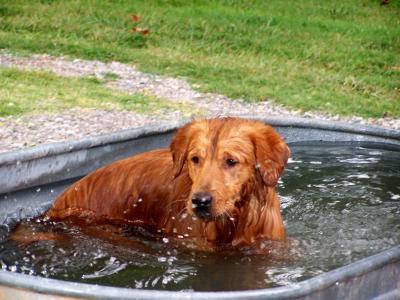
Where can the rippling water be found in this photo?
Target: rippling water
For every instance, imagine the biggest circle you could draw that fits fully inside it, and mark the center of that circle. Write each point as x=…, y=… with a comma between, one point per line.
x=340, y=203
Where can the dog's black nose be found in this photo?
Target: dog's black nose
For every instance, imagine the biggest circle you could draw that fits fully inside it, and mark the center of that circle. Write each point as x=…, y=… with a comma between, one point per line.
x=201, y=203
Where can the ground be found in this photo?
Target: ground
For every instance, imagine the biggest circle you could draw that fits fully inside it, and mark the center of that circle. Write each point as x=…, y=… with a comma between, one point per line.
x=71, y=69
x=179, y=101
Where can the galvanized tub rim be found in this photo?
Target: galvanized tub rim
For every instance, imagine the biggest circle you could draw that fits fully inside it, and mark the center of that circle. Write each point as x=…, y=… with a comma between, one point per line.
x=118, y=136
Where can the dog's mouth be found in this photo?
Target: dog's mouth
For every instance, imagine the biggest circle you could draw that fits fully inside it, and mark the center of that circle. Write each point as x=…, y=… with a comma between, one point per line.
x=208, y=216
x=205, y=215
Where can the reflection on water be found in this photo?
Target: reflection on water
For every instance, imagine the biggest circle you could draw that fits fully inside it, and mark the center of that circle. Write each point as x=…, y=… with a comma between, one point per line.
x=339, y=203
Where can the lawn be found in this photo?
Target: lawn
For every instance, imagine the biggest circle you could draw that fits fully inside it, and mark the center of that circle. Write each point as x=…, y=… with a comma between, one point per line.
x=341, y=57
x=25, y=91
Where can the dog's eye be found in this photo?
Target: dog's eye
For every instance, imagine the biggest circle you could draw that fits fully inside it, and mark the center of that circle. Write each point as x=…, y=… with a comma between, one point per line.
x=231, y=162
x=195, y=159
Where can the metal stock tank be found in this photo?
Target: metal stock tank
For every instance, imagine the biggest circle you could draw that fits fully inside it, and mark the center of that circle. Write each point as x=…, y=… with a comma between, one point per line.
x=57, y=165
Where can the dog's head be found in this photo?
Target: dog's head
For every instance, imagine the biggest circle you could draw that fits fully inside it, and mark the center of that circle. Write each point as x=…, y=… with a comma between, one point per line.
x=223, y=157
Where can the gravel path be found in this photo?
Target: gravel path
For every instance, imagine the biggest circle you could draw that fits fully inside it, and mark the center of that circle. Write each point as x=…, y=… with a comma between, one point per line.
x=32, y=129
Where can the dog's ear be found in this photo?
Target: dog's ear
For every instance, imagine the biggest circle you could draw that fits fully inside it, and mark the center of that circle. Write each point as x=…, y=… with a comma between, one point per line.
x=271, y=153
x=179, y=149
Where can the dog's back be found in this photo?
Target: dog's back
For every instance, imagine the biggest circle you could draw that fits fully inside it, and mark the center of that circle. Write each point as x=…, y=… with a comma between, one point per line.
x=135, y=189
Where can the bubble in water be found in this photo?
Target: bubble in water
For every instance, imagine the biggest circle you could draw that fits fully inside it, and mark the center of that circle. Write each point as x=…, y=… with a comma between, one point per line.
x=13, y=268
x=284, y=276
x=359, y=176
x=293, y=161
x=395, y=197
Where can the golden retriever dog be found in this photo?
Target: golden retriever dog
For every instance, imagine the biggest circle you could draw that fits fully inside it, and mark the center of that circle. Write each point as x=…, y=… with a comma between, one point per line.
x=214, y=186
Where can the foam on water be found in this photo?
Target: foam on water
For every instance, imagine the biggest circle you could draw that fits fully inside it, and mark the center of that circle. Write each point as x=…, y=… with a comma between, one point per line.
x=340, y=203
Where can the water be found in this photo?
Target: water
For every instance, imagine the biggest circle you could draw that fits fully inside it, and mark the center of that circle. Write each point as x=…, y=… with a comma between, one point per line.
x=340, y=203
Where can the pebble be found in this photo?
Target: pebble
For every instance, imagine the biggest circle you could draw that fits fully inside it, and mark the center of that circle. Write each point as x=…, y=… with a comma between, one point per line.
x=17, y=132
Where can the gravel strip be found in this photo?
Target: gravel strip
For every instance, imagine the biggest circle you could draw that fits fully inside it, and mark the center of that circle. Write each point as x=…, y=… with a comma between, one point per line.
x=30, y=129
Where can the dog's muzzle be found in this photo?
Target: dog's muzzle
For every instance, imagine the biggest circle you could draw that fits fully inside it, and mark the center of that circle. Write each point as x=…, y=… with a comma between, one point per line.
x=201, y=204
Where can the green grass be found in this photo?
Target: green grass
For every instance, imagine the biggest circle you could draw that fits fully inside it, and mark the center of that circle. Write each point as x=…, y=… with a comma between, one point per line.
x=22, y=92
x=342, y=57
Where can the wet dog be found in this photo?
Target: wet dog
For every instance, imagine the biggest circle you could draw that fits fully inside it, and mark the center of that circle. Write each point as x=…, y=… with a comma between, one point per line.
x=214, y=185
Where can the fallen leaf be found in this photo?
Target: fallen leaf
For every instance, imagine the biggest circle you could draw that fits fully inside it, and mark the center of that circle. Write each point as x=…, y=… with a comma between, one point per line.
x=135, y=18
x=141, y=31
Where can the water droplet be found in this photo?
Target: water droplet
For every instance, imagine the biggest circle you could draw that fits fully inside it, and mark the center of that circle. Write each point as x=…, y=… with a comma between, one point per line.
x=291, y=160
x=13, y=268
x=395, y=197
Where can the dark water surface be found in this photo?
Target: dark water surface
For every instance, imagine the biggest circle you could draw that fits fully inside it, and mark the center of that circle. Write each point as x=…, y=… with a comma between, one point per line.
x=340, y=203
